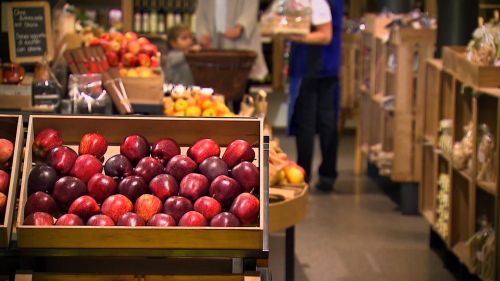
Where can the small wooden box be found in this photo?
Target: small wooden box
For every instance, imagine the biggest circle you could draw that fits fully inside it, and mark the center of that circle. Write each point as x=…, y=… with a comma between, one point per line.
x=145, y=90
x=11, y=128
x=16, y=96
x=455, y=61
x=185, y=131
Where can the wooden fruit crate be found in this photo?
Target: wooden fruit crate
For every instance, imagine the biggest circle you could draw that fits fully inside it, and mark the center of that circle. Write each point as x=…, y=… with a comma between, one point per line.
x=185, y=131
x=350, y=57
x=455, y=60
x=11, y=128
x=96, y=277
x=289, y=207
x=145, y=90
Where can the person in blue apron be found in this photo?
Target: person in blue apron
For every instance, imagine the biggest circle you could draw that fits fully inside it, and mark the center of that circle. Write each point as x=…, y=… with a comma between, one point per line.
x=315, y=90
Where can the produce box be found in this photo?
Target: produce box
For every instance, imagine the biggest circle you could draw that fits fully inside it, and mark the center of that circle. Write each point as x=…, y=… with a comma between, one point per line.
x=185, y=131
x=455, y=61
x=141, y=90
x=11, y=128
x=16, y=96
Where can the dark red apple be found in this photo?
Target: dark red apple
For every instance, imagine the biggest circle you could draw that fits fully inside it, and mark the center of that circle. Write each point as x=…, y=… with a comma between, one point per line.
x=101, y=187
x=165, y=149
x=39, y=219
x=62, y=158
x=116, y=205
x=85, y=167
x=163, y=186
x=179, y=166
x=213, y=167
x=147, y=206
x=224, y=189
x=6, y=150
x=40, y=202
x=203, y=149
x=193, y=219
x=177, y=206
x=193, y=186
x=238, y=151
x=69, y=220
x=118, y=166
x=225, y=219
x=132, y=187
x=45, y=141
x=246, y=207
x=134, y=147
x=100, y=220
x=84, y=207
x=93, y=144
x=42, y=178
x=131, y=219
x=208, y=207
x=67, y=189
x=247, y=174
x=161, y=220
x=4, y=182
x=148, y=168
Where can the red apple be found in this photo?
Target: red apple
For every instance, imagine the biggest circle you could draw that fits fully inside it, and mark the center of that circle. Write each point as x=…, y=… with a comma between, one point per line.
x=155, y=62
x=149, y=49
x=134, y=147
x=112, y=58
x=213, y=167
x=148, y=168
x=177, y=206
x=42, y=178
x=131, y=219
x=193, y=186
x=100, y=220
x=225, y=219
x=40, y=202
x=95, y=42
x=161, y=220
x=144, y=60
x=112, y=46
x=39, y=219
x=163, y=186
x=133, y=47
x=193, y=219
x=4, y=182
x=132, y=187
x=45, y=140
x=179, y=166
x=3, y=203
x=203, y=149
x=62, y=158
x=115, y=206
x=84, y=207
x=129, y=60
x=247, y=174
x=238, y=151
x=6, y=150
x=69, y=220
x=105, y=36
x=165, y=149
x=101, y=187
x=94, y=144
x=225, y=189
x=246, y=207
x=118, y=36
x=208, y=207
x=67, y=189
x=85, y=167
x=118, y=166
x=143, y=41
x=148, y=205
x=131, y=36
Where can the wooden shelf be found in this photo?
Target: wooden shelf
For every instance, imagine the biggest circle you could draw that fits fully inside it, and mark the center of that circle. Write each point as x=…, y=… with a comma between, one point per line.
x=463, y=174
x=430, y=140
x=429, y=215
x=489, y=187
x=462, y=251
x=443, y=156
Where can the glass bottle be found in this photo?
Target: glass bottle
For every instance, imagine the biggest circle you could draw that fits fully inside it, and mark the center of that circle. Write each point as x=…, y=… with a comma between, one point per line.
x=145, y=17
x=161, y=17
x=137, y=16
x=153, y=17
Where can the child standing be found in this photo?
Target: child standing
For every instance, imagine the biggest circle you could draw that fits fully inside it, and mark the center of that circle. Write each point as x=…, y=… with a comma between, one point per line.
x=180, y=41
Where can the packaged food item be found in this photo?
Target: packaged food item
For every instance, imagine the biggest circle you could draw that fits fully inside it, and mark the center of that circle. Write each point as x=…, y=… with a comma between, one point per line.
x=46, y=89
x=87, y=94
x=443, y=206
x=486, y=155
x=482, y=245
x=12, y=73
x=463, y=150
x=483, y=48
x=287, y=17
x=445, y=136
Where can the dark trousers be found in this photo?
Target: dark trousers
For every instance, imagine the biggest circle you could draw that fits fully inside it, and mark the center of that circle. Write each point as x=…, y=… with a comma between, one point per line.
x=316, y=112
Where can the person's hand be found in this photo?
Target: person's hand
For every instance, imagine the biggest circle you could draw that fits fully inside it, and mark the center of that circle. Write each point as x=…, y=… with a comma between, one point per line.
x=234, y=32
x=300, y=38
x=206, y=41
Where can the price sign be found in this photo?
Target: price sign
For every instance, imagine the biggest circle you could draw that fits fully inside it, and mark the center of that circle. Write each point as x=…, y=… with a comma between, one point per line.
x=30, y=36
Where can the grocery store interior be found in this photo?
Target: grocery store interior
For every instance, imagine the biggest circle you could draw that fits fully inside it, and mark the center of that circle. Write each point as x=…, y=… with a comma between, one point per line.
x=245, y=140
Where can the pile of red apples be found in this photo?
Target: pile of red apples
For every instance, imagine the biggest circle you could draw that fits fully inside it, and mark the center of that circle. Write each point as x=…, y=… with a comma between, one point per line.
x=6, y=153
x=145, y=185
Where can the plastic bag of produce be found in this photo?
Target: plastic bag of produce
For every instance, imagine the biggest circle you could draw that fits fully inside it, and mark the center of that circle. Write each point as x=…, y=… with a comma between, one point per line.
x=287, y=17
x=482, y=49
x=485, y=155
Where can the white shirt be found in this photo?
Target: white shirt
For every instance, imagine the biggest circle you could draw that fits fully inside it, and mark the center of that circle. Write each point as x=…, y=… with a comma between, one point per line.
x=321, y=12
x=220, y=15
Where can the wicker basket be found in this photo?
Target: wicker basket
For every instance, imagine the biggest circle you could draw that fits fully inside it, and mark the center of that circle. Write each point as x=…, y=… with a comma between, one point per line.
x=226, y=71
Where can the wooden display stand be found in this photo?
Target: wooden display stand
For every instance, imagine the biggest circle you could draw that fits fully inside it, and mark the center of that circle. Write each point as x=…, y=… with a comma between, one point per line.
x=349, y=75
x=450, y=94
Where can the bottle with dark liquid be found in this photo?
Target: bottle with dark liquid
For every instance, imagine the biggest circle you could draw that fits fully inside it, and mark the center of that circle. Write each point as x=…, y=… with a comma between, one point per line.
x=137, y=16
x=153, y=17
x=161, y=17
x=145, y=16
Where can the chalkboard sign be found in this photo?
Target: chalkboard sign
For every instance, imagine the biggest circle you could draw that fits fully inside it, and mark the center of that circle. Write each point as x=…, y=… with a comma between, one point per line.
x=30, y=35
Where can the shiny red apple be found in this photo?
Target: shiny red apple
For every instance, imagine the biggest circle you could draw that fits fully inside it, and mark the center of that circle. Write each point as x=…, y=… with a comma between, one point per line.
x=39, y=219
x=69, y=220
x=66, y=190
x=6, y=150
x=247, y=175
x=165, y=149
x=93, y=144
x=203, y=149
x=225, y=189
x=193, y=219
x=4, y=182
x=134, y=147
x=147, y=205
x=148, y=168
x=208, y=207
x=177, y=206
x=42, y=178
x=225, y=219
x=40, y=202
x=161, y=220
x=85, y=167
x=84, y=207
x=118, y=166
x=213, y=167
x=246, y=207
x=238, y=151
x=131, y=219
x=179, y=166
x=132, y=187
x=45, y=141
x=164, y=186
x=116, y=205
x=101, y=187
x=100, y=220
x=62, y=158
x=193, y=186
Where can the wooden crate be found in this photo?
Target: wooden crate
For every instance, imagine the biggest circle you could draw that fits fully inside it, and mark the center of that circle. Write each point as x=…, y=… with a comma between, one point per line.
x=455, y=61
x=96, y=277
x=428, y=114
x=11, y=128
x=350, y=54
x=145, y=90
x=185, y=131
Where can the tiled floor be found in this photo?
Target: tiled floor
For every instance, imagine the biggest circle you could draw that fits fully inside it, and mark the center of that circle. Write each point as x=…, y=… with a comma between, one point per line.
x=357, y=233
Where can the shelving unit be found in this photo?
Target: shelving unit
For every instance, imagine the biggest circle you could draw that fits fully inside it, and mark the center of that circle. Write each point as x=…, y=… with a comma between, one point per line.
x=465, y=97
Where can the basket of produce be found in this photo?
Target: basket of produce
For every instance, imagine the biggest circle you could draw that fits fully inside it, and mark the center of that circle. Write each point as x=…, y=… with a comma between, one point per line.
x=137, y=182
x=226, y=71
